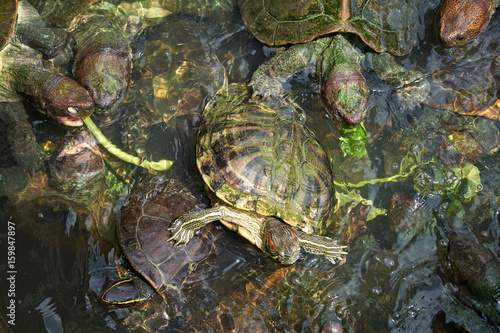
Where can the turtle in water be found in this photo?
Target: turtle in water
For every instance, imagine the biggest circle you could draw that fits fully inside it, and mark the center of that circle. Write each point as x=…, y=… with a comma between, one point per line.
x=25, y=37
x=449, y=88
x=77, y=166
x=271, y=179
x=76, y=177
x=475, y=271
x=158, y=265
x=315, y=27
x=73, y=163
x=460, y=21
x=75, y=170
x=99, y=33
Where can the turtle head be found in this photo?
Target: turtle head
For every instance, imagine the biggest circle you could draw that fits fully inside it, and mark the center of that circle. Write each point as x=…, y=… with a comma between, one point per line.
x=345, y=94
x=126, y=292
x=281, y=242
x=66, y=101
x=460, y=21
x=105, y=73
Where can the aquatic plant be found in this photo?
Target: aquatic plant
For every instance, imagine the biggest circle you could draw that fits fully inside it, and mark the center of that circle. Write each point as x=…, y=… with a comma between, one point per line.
x=160, y=165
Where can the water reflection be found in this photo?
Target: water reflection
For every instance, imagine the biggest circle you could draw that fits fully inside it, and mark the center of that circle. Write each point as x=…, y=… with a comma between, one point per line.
x=392, y=279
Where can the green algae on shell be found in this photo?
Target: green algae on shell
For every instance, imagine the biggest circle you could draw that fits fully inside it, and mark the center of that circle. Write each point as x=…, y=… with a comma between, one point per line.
x=270, y=177
x=384, y=26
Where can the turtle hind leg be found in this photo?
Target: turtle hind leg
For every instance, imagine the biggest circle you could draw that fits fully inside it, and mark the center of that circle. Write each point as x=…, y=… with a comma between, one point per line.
x=183, y=228
x=321, y=245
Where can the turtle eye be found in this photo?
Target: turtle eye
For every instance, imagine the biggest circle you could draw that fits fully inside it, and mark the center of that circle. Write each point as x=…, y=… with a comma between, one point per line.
x=270, y=242
x=294, y=236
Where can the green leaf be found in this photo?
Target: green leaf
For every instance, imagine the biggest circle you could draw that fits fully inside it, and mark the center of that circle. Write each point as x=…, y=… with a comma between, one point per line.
x=353, y=140
x=473, y=176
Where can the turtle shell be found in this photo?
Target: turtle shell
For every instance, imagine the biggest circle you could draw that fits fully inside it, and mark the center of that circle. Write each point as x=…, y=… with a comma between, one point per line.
x=383, y=25
x=263, y=159
x=8, y=17
x=143, y=233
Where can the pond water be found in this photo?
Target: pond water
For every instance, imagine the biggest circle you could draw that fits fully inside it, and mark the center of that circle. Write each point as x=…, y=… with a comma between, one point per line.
x=420, y=174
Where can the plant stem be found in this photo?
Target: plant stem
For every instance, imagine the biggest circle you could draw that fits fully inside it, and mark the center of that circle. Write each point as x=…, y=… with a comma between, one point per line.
x=159, y=165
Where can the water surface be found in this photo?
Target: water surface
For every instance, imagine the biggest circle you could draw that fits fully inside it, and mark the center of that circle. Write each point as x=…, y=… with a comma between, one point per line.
x=392, y=278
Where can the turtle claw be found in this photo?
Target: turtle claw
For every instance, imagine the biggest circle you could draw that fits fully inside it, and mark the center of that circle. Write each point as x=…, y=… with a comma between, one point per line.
x=179, y=234
x=336, y=254
x=322, y=246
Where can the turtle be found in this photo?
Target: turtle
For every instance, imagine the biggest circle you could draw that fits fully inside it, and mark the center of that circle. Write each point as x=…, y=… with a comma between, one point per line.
x=75, y=170
x=317, y=29
x=76, y=180
x=460, y=21
x=270, y=178
x=77, y=167
x=448, y=88
x=475, y=271
x=158, y=265
x=101, y=32
x=76, y=184
x=25, y=37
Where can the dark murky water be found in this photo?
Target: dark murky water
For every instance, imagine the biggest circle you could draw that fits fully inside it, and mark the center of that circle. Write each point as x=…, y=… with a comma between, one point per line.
x=392, y=279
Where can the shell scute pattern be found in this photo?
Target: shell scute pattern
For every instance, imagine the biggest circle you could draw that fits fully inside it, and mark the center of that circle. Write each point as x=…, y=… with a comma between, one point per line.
x=384, y=26
x=263, y=159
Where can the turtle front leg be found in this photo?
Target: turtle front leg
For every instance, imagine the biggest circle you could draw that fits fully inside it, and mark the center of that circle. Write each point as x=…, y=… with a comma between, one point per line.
x=321, y=245
x=246, y=224
x=184, y=227
x=20, y=136
x=387, y=69
x=31, y=30
x=268, y=79
x=411, y=86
